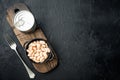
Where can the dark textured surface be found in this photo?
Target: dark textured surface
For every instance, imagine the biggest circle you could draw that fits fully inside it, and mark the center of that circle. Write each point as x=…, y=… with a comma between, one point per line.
x=84, y=33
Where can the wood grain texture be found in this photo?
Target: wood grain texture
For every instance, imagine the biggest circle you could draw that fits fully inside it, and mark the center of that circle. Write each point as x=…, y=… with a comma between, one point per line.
x=25, y=37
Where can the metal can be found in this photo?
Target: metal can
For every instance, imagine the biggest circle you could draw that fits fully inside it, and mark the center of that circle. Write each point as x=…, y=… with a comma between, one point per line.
x=24, y=21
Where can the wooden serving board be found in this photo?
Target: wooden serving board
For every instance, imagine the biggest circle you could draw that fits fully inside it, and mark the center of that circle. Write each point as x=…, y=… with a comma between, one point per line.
x=25, y=37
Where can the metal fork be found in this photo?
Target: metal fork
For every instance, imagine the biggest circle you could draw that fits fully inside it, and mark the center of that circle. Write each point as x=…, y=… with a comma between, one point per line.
x=13, y=46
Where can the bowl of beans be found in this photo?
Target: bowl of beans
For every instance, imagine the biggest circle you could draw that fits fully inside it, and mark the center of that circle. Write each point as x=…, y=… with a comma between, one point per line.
x=38, y=51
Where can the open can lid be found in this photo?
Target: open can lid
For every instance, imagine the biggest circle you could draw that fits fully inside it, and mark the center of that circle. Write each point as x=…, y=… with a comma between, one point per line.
x=24, y=20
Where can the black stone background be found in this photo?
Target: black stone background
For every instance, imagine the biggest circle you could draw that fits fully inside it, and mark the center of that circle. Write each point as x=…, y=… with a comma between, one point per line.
x=84, y=33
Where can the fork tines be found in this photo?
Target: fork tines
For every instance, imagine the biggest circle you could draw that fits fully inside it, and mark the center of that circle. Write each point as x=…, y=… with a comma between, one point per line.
x=8, y=39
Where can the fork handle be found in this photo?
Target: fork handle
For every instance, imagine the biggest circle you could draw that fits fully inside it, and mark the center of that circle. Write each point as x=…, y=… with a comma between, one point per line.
x=30, y=73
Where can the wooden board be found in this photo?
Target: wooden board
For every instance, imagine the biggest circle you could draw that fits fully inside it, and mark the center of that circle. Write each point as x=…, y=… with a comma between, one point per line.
x=25, y=37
